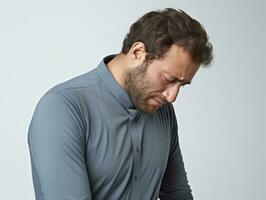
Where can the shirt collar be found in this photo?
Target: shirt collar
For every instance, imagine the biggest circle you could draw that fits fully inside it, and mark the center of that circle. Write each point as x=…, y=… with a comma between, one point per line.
x=114, y=87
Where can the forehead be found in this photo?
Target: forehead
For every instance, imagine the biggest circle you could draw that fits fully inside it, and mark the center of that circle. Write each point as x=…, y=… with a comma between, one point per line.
x=178, y=63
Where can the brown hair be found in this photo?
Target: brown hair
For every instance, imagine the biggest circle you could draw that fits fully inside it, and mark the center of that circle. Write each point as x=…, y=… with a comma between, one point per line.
x=159, y=30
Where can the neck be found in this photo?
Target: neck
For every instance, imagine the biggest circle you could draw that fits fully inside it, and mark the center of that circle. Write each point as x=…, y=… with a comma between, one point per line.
x=117, y=66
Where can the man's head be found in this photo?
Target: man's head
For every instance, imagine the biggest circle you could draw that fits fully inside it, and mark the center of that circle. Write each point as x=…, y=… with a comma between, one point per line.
x=159, y=30
x=152, y=84
x=164, y=50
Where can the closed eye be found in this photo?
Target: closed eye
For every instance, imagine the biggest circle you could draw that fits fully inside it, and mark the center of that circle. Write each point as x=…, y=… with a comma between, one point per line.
x=169, y=79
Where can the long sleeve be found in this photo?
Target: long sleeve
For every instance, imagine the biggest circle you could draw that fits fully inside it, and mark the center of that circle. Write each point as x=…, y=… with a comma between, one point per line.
x=57, y=148
x=174, y=184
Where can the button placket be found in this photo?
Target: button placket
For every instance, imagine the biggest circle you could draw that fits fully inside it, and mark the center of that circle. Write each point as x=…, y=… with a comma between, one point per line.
x=137, y=150
x=135, y=131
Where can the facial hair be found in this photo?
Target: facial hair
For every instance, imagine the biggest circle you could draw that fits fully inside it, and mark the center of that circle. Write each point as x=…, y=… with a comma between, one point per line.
x=138, y=85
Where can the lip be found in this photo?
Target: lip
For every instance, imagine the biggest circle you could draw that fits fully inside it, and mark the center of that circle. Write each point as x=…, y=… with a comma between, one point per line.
x=157, y=102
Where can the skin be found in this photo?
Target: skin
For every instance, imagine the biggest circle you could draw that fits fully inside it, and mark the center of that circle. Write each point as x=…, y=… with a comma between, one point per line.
x=150, y=85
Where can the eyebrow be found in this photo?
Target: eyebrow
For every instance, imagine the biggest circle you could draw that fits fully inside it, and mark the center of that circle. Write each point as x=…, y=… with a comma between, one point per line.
x=181, y=80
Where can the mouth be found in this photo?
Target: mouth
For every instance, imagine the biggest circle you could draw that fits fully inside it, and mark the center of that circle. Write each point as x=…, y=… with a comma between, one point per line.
x=157, y=102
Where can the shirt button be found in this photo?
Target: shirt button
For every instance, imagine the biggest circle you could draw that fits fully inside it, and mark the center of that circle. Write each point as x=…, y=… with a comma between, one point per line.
x=137, y=149
x=136, y=178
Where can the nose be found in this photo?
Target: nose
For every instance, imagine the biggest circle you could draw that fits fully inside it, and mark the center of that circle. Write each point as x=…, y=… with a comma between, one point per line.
x=170, y=93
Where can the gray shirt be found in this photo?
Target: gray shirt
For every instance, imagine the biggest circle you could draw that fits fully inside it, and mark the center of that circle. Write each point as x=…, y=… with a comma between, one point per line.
x=88, y=142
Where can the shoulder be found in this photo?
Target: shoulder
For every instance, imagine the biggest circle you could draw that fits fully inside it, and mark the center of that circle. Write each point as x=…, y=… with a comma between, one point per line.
x=79, y=82
x=167, y=111
x=75, y=90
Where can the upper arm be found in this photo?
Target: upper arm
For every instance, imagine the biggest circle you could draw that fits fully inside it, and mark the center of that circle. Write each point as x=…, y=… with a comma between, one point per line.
x=174, y=184
x=57, y=148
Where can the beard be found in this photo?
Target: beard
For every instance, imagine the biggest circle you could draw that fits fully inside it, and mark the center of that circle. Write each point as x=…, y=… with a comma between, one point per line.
x=138, y=85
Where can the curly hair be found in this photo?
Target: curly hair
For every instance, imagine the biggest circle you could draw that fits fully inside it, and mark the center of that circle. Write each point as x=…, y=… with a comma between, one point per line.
x=159, y=30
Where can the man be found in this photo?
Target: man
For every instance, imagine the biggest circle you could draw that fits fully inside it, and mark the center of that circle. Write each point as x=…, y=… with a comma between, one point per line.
x=111, y=133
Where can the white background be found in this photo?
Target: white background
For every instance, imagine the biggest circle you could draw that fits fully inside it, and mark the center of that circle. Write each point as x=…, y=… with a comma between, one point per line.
x=221, y=115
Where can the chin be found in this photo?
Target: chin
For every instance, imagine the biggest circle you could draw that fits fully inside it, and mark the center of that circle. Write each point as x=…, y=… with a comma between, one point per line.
x=148, y=109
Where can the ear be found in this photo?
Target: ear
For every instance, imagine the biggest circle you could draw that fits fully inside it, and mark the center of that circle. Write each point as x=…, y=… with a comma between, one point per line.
x=137, y=53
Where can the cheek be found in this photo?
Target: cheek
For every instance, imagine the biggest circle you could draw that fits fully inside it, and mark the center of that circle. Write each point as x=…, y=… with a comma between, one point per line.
x=155, y=82
x=155, y=86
